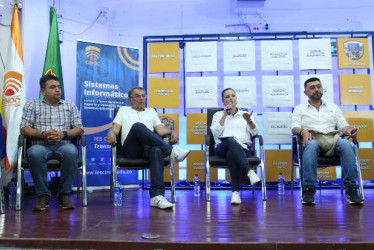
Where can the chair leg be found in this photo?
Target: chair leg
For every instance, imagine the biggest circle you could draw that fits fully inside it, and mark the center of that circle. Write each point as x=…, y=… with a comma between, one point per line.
x=172, y=182
x=360, y=183
x=19, y=180
x=207, y=181
x=263, y=181
x=84, y=177
x=2, y=198
x=113, y=173
x=292, y=174
x=78, y=183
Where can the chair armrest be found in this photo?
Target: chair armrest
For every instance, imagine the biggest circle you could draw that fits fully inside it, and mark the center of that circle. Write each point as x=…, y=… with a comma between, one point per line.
x=260, y=139
x=298, y=139
x=83, y=140
x=207, y=140
x=20, y=140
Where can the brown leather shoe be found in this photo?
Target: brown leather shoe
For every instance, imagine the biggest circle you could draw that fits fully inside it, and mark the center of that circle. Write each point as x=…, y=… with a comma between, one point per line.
x=64, y=202
x=42, y=203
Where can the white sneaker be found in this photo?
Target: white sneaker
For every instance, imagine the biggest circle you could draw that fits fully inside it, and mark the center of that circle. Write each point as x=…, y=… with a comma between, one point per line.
x=253, y=177
x=178, y=155
x=160, y=202
x=235, y=198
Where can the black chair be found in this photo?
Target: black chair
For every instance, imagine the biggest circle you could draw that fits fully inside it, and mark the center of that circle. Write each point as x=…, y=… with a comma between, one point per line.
x=211, y=160
x=119, y=161
x=24, y=143
x=323, y=162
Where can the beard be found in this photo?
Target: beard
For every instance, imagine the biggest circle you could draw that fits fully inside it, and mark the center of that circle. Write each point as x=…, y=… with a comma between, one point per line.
x=316, y=96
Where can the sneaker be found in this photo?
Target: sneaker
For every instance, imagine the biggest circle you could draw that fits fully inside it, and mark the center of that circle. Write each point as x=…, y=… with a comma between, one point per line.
x=42, y=203
x=160, y=202
x=352, y=197
x=178, y=155
x=64, y=202
x=308, y=195
x=253, y=177
x=235, y=198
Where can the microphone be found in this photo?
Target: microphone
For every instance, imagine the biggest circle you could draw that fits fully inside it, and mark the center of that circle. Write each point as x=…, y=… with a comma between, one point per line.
x=228, y=111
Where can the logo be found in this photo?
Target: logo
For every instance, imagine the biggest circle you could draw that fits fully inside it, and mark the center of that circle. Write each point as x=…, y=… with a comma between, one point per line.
x=353, y=50
x=13, y=83
x=12, y=88
x=93, y=55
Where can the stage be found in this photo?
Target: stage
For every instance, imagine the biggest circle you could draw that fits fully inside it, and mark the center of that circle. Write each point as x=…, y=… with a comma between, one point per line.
x=281, y=222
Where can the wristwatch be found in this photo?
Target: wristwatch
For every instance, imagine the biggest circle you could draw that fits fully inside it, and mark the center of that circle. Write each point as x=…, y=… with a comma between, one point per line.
x=65, y=134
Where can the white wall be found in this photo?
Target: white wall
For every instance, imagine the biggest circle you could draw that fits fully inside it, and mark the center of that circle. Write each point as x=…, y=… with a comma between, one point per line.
x=127, y=21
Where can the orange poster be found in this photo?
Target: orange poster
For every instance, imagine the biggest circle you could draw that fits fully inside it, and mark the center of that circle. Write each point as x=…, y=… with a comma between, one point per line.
x=276, y=162
x=163, y=57
x=355, y=90
x=196, y=165
x=367, y=163
x=326, y=174
x=196, y=128
x=363, y=120
x=163, y=92
x=353, y=53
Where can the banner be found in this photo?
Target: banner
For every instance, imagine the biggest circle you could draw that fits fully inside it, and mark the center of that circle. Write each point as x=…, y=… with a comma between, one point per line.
x=105, y=73
x=52, y=62
x=239, y=56
x=13, y=91
x=163, y=57
x=277, y=127
x=201, y=56
x=276, y=55
x=315, y=54
x=163, y=92
x=278, y=91
x=355, y=90
x=201, y=92
x=245, y=89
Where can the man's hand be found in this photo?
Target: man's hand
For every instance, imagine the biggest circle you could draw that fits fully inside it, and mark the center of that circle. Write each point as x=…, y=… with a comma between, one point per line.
x=307, y=136
x=174, y=137
x=112, y=138
x=53, y=135
x=352, y=132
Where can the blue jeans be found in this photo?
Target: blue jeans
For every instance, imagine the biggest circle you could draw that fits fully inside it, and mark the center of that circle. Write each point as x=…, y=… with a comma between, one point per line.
x=237, y=161
x=347, y=159
x=142, y=142
x=38, y=155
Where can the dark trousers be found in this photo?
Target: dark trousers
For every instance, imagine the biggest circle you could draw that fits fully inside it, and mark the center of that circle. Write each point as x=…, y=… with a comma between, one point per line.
x=236, y=157
x=142, y=142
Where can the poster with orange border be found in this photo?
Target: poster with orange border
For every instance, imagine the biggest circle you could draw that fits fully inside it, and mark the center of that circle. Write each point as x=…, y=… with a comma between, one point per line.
x=326, y=174
x=355, y=90
x=353, y=53
x=367, y=163
x=196, y=165
x=196, y=128
x=163, y=93
x=163, y=57
x=363, y=120
x=276, y=162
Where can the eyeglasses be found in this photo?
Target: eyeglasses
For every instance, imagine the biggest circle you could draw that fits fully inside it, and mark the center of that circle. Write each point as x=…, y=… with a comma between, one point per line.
x=138, y=96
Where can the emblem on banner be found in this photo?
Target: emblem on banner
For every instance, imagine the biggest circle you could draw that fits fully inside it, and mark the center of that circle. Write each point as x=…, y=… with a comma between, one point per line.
x=93, y=55
x=354, y=50
x=12, y=87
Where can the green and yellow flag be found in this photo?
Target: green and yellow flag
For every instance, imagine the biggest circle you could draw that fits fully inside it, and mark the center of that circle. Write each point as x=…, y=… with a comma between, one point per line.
x=52, y=62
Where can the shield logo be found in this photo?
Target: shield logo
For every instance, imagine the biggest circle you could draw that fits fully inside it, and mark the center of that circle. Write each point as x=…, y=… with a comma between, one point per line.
x=354, y=50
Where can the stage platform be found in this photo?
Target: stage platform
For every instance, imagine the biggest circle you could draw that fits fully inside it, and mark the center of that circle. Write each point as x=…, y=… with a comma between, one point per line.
x=281, y=222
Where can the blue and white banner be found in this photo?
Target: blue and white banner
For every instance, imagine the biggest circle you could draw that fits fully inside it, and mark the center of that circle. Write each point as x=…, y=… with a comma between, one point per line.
x=105, y=73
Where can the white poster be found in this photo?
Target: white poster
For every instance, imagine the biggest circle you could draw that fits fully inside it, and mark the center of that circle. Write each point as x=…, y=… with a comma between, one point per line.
x=278, y=91
x=201, y=92
x=239, y=56
x=327, y=84
x=315, y=53
x=277, y=127
x=201, y=56
x=245, y=89
x=277, y=55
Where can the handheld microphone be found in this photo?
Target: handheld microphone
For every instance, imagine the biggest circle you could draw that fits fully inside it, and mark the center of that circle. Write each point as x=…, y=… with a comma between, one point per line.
x=228, y=111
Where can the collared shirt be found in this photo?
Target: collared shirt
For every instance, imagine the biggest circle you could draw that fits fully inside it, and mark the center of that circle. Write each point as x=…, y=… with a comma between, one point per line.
x=329, y=117
x=235, y=126
x=42, y=116
x=127, y=116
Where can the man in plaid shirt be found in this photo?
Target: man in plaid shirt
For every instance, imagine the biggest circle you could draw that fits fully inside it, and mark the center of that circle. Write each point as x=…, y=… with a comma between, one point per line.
x=51, y=123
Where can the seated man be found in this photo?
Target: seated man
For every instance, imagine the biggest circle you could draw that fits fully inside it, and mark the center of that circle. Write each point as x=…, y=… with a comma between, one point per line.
x=50, y=123
x=319, y=117
x=139, y=140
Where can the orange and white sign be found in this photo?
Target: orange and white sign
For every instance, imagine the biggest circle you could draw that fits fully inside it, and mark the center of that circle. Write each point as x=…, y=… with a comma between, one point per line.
x=367, y=163
x=326, y=174
x=363, y=120
x=276, y=162
x=163, y=57
x=196, y=165
x=353, y=53
x=355, y=90
x=163, y=92
x=196, y=128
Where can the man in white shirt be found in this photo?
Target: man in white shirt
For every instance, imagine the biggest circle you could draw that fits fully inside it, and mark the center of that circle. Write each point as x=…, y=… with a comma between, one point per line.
x=323, y=117
x=141, y=137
